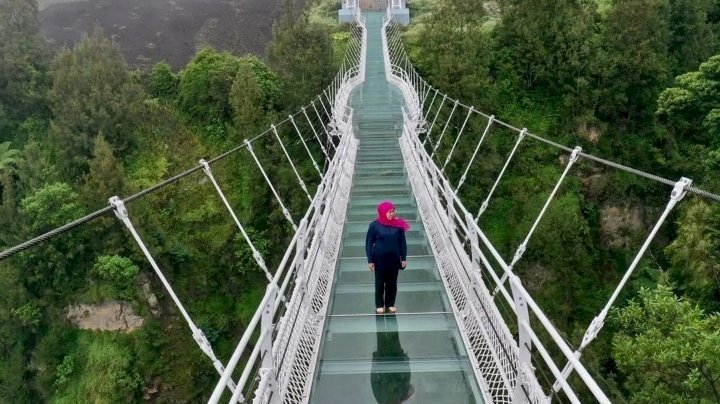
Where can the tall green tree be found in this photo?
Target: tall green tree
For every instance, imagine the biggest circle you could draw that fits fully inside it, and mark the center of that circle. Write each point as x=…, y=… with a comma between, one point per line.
x=690, y=108
x=301, y=54
x=692, y=39
x=8, y=157
x=24, y=63
x=548, y=44
x=57, y=267
x=668, y=349
x=246, y=100
x=205, y=85
x=633, y=76
x=105, y=177
x=93, y=94
x=695, y=253
x=163, y=82
x=452, y=38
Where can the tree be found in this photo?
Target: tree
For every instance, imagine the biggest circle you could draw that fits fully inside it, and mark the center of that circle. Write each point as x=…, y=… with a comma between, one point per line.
x=57, y=267
x=548, y=44
x=690, y=108
x=93, y=94
x=247, y=104
x=163, y=82
x=105, y=176
x=695, y=253
x=52, y=206
x=266, y=79
x=117, y=273
x=36, y=168
x=668, y=349
x=205, y=85
x=692, y=39
x=24, y=62
x=452, y=50
x=8, y=157
x=302, y=56
x=634, y=75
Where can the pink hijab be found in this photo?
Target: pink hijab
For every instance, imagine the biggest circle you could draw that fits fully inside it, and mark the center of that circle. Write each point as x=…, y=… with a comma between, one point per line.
x=383, y=209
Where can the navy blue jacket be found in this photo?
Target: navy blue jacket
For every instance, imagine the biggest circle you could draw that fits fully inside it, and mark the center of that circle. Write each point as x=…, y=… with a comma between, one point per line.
x=384, y=240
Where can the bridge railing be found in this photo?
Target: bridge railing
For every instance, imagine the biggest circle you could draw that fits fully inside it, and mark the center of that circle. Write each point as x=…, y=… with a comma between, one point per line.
x=281, y=339
x=503, y=363
x=290, y=316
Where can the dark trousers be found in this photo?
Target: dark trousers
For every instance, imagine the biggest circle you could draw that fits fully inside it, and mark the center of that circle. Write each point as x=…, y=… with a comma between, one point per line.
x=385, y=286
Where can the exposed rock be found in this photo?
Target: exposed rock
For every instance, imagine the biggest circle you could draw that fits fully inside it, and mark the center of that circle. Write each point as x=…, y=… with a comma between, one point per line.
x=492, y=8
x=43, y=4
x=618, y=225
x=535, y=278
x=150, y=298
x=595, y=185
x=109, y=316
x=588, y=132
x=237, y=26
x=150, y=390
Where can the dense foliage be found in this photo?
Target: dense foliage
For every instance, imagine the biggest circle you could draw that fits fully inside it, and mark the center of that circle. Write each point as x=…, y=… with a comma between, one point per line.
x=78, y=127
x=635, y=81
x=598, y=74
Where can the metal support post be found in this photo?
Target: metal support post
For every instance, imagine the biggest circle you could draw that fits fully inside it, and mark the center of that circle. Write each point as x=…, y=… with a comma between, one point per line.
x=267, y=366
x=525, y=340
x=449, y=201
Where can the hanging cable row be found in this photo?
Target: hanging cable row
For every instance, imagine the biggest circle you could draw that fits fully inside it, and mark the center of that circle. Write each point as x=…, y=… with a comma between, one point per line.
x=437, y=184
x=401, y=61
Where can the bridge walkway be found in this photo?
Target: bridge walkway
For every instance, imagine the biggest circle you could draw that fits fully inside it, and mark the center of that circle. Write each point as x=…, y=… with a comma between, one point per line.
x=417, y=355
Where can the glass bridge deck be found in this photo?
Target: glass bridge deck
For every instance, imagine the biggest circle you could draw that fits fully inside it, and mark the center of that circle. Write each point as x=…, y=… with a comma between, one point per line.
x=417, y=355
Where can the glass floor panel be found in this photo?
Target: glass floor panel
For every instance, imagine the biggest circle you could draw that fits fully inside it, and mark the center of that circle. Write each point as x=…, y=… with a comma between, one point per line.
x=394, y=357
x=352, y=228
x=355, y=270
x=412, y=297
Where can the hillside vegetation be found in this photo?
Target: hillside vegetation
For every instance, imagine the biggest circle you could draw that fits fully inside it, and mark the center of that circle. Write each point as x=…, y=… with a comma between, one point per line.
x=78, y=127
x=633, y=81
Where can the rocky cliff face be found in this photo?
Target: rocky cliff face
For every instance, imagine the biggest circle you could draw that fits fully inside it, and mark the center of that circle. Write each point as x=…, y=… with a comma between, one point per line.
x=153, y=30
x=109, y=316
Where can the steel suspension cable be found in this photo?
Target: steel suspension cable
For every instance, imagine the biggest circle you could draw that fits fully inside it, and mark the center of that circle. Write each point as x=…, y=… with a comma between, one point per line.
x=477, y=148
x=457, y=139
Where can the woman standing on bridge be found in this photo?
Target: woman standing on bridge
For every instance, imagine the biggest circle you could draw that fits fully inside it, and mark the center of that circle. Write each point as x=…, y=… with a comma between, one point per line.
x=386, y=251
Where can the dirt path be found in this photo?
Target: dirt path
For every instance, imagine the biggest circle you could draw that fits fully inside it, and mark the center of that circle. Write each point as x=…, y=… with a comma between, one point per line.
x=152, y=30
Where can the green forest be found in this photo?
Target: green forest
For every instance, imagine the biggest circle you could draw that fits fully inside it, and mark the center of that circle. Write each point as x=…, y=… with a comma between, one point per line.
x=633, y=81
x=77, y=126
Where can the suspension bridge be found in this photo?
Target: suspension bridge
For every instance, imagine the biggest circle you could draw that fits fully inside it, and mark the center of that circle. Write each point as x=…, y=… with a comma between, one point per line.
x=315, y=336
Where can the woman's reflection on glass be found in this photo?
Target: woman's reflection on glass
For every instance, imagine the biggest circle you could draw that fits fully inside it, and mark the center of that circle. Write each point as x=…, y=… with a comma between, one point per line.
x=390, y=373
